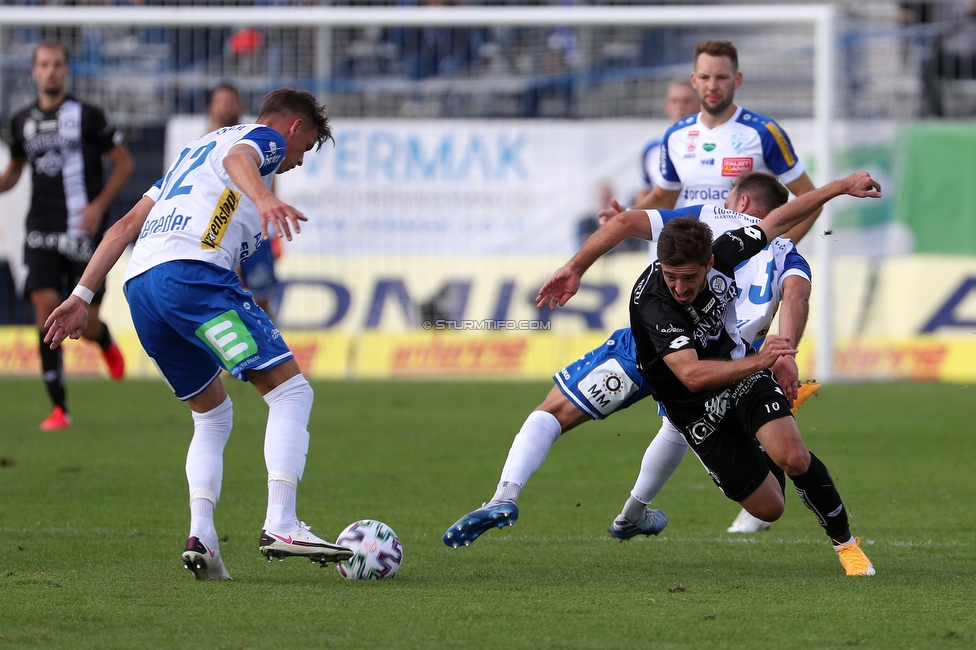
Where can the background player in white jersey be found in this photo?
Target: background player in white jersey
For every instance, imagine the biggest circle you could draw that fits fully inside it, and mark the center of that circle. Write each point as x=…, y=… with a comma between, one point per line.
x=680, y=102
x=606, y=380
x=64, y=141
x=702, y=155
x=192, y=229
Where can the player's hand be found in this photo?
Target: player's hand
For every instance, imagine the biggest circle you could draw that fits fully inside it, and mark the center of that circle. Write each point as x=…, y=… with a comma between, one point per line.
x=277, y=213
x=559, y=288
x=861, y=185
x=788, y=377
x=91, y=220
x=69, y=320
x=775, y=347
x=606, y=214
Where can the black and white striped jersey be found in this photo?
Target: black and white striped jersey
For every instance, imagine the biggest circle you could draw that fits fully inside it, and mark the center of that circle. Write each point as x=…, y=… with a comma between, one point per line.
x=661, y=325
x=65, y=148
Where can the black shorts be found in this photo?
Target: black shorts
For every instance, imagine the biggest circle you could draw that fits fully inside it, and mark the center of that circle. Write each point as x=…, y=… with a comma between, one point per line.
x=56, y=261
x=722, y=431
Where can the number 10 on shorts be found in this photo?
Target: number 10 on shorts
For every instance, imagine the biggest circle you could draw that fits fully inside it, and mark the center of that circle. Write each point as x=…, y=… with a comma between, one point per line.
x=227, y=336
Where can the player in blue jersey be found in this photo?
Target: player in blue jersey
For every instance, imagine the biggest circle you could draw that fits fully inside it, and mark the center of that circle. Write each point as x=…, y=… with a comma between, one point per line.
x=192, y=229
x=680, y=102
x=723, y=399
x=606, y=380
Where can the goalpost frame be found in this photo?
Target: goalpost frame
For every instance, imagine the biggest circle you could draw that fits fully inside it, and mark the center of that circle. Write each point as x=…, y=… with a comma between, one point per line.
x=821, y=17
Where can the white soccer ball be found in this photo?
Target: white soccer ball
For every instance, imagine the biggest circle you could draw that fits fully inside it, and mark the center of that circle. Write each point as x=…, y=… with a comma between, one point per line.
x=376, y=551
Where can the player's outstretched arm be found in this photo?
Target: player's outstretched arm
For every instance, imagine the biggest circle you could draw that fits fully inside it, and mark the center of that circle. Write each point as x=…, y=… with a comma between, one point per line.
x=780, y=220
x=242, y=163
x=565, y=282
x=658, y=198
x=71, y=318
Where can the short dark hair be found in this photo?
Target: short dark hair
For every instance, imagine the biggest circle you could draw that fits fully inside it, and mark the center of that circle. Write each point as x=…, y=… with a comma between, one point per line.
x=685, y=240
x=223, y=85
x=302, y=104
x=718, y=48
x=51, y=45
x=764, y=189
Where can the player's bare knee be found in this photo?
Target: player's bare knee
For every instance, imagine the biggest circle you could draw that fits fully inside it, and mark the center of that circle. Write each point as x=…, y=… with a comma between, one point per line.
x=795, y=461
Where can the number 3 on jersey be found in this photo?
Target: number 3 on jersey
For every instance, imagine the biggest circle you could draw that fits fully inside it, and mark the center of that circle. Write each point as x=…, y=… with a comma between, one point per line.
x=197, y=159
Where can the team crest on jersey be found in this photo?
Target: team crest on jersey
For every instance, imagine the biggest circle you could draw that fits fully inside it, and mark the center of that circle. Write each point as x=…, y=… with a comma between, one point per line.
x=692, y=141
x=229, y=201
x=739, y=141
x=718, y=285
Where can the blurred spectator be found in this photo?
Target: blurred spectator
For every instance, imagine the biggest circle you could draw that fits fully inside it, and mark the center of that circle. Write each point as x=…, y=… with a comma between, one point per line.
x=679, y=102
x=952, y=55
x=589, y=223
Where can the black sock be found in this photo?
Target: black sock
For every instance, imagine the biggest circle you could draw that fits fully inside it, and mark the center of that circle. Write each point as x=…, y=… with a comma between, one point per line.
x=817, y=491
x=53, y=374
x=104, y=339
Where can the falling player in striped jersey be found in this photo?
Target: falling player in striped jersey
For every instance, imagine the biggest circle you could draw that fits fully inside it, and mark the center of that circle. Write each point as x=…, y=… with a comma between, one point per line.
x=607, y=379
x=725, y=401
x=191, y=231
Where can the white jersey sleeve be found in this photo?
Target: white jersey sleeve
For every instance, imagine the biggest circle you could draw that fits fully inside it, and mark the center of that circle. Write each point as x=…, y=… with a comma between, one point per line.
x=759, y=280
x=200, y=214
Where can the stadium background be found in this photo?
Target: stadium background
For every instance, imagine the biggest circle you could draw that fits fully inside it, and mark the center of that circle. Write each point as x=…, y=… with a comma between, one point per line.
x=468, y=160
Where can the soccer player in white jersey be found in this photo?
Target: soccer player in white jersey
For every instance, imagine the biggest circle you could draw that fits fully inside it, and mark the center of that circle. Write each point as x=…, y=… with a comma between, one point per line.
x=680, y=102
x=607, y=379
x=192, y=229
x=703, y=154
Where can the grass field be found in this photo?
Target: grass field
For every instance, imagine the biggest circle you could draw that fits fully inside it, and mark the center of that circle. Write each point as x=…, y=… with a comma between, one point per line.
x=93, y=520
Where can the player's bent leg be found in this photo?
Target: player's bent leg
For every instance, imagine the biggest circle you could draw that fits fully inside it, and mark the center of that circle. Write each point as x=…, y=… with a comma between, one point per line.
x=766, y=502
x=529, y=449
x=289, y=397
x=660, y=460
x=98, y=332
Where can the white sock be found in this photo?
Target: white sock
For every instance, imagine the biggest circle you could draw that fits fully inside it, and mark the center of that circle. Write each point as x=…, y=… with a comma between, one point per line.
x=661, y=459
x=285, y=449
x=202, y=523
x=282, y=496
x=205, y=467
x=528, y=451
x=850, y=541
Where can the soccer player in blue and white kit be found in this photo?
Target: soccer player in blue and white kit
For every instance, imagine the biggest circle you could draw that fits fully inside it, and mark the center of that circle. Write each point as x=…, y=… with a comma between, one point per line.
x=607, y=379
x=210, y=211
x=725, y=401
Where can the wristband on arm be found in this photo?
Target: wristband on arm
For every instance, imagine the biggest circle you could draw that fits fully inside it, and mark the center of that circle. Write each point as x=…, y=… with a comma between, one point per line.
x=84, y=293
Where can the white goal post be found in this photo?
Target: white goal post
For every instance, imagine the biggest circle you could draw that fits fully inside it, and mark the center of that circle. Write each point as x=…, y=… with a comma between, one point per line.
x=821, y=18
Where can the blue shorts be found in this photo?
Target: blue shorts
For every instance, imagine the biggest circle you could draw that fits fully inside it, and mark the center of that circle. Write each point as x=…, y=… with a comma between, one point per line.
x=604, y=380
x=194, y=320
x=257, y=271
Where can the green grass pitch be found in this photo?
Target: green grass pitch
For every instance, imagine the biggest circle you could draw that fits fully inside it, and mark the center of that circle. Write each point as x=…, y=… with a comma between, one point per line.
x=93, y=520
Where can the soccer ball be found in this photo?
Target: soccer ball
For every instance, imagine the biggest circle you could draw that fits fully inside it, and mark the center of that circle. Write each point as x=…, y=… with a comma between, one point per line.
x=376, y=551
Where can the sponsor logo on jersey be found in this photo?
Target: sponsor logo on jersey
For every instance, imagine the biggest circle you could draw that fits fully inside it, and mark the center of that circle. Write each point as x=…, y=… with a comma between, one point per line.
x=607, y=386
x=215, y=231
x=709, y=146
x=670, y=329
x=707, y=162
x=271, y=156
x=679, y=342
x=691, y=141
x=752, y=232
x=735, y=166
x=739, y=141
x=784, y=145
